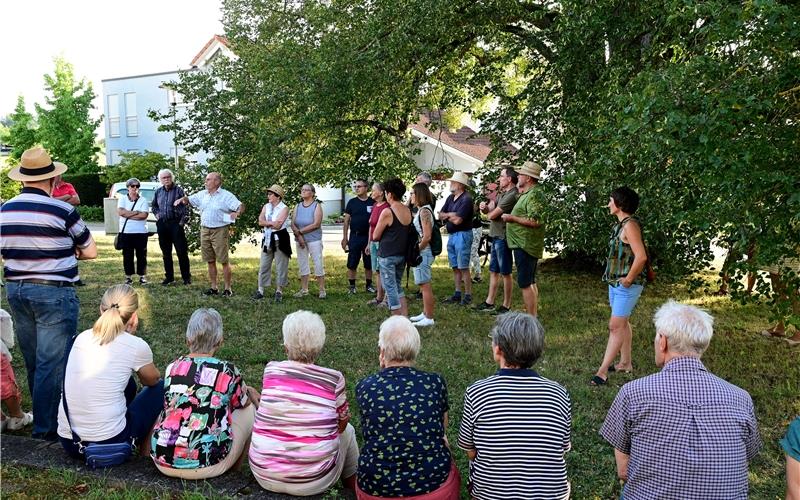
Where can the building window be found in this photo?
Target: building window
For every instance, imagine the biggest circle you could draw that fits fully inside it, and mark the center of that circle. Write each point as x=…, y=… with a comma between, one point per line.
x=115, y=156
x=131, y=119
x=113, y=115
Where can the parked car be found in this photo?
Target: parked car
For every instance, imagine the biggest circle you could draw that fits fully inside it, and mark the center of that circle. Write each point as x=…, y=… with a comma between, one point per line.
x=147, y=189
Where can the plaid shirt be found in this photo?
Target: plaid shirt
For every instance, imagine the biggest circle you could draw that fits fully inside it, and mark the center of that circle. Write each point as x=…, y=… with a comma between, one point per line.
x=689, y=434
x=163, y=205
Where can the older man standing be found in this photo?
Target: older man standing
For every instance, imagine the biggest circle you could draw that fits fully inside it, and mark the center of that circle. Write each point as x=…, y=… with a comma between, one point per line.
x=355, y=235
x=170, y=219
x=501, y=260
x=525, y=233
x=43, y=238
x=457, y=213
x=682, y=432
x=219, y=209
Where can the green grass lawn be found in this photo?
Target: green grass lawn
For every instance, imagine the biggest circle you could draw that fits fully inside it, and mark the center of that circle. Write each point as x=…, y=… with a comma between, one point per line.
x=573, y=310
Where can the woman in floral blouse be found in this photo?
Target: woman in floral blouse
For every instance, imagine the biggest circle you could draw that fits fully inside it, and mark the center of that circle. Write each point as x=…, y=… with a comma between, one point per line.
x=205, y=426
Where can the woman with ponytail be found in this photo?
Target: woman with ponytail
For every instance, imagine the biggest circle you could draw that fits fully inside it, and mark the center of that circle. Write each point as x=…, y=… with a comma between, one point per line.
x=99, y=387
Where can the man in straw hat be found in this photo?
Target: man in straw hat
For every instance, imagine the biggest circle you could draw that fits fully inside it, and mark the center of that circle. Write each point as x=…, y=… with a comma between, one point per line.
x=43, y=239
x=525, y=233
x=457, y=214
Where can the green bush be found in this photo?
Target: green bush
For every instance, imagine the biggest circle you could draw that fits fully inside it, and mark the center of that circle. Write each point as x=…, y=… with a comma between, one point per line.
x=91, y=213
x=89, y=186
x=8, y=188
x=143, y=166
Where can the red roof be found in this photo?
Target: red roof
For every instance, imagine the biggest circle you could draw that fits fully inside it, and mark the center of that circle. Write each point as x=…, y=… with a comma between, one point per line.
x=219, y=38
x=465, y=139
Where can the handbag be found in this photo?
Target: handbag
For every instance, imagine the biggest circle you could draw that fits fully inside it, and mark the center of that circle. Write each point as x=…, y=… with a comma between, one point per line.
x=98, y=456
x=117, y=239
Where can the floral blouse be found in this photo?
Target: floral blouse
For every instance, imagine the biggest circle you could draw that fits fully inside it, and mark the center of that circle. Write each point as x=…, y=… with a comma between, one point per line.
x=194, y=428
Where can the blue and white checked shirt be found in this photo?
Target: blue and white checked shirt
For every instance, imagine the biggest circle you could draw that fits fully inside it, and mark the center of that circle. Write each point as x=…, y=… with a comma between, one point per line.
x=214, y=207
x=689, y=434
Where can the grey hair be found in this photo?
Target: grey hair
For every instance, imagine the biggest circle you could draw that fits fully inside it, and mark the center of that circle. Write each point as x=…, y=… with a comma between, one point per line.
x=521, y=338
x=399, y=339
x=426, y=178
x=204, y=331
x=132, y=180
x=688, y=328
x=303, y=336
x=166, y=171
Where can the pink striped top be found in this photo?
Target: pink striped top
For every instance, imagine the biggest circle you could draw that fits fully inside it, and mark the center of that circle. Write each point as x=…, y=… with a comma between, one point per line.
x=295, y=436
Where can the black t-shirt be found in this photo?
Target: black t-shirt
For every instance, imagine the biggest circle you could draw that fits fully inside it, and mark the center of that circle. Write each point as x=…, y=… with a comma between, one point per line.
x=464, y=208
x=359, y=212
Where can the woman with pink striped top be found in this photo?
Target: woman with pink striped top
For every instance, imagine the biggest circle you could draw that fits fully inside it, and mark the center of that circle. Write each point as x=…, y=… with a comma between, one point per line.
x=302, y=442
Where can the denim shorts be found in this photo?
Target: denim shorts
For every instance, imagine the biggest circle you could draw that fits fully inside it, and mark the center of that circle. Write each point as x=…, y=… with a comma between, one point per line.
x=459, y=246
x=423, y=273
x=373, y=254
x=622, y=300
x=392, y=268
x=501, y=261
x=526, y=268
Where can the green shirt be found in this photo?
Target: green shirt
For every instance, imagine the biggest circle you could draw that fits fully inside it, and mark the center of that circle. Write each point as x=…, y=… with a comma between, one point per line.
x=531, y=239
x=506, y=202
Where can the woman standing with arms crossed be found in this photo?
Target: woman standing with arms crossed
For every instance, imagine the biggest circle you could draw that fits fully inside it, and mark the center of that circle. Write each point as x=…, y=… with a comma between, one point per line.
x=423, y=223
x=624, y=274
x=392, y=233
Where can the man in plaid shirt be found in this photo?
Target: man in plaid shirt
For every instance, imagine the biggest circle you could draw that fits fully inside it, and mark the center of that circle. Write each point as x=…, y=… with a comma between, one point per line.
x=682, y=432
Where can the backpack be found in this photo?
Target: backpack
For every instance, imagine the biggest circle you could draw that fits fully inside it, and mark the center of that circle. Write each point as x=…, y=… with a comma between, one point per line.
x=413, y=257
x=436, y=236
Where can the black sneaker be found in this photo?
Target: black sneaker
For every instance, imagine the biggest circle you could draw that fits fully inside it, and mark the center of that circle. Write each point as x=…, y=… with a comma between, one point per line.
x=371, y=289
x=142, y=280
x=167, y=281
x=211, y=291
x=484, y=306
x=501, y=310
x=227, y=293
x=454, y=299
x=257, y=295
x=351, y=290
x=80, y=283
x=278, y=298
x=476, y=279
x=129, y=281
x=187, y=281
x=466, y=300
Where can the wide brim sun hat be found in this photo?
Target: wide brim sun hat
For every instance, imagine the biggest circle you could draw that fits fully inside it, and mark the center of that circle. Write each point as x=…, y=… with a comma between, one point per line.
x=36, y=165
x=277, y=190
x=531, y=169
x=460, y=177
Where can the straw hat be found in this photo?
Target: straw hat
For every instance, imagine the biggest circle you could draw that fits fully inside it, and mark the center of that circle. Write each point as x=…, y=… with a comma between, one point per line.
x=36, y=165
x=277, y=190
x=530, y=169
x=460, y=177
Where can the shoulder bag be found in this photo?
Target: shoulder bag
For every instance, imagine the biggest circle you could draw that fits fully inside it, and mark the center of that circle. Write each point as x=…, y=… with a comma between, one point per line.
x=117, y=240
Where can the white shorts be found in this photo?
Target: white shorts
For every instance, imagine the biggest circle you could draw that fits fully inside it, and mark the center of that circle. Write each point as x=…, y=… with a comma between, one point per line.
x=315, y=249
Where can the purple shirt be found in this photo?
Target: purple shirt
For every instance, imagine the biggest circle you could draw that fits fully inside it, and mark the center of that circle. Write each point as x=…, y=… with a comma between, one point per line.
x=689, y=434
x=464, y=208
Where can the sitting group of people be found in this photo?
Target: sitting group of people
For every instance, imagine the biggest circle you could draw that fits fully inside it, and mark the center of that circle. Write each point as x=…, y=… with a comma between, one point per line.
x=202, y=418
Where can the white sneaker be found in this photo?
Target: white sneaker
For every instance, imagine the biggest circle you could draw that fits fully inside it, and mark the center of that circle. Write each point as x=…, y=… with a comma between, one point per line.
x=322, y=294
x=17, y=423
x=425, y=321
x=300, y=293
x=417, y=317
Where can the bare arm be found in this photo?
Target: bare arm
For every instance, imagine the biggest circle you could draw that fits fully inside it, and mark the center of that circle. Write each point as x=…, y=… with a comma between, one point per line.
x=343, y=424
x=522, y=221
x=149, y=375
x=281, y=218
x=88, y=252
x=383, y=222
x=345, y=230
x=792, y=479
x=262, y=219
x=632, y=234
x=426, y=221
x=622, y=464
x=239, y=211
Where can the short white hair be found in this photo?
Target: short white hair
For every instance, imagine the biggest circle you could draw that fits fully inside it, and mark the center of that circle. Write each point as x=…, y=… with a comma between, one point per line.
x=689, y=329
x=399, y=339
x=166, y=171
x=303, y=336
x=204, y=330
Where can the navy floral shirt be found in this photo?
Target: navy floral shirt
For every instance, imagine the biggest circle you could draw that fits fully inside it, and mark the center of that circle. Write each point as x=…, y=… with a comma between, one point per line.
x=402, y=419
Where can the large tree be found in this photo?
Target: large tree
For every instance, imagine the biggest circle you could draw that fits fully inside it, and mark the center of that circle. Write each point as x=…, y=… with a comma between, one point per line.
x=694, y=104
x=66, y=128
x=21, y=130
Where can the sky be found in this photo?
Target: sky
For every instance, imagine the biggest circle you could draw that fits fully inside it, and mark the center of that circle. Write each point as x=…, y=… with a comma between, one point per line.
x=102, y=39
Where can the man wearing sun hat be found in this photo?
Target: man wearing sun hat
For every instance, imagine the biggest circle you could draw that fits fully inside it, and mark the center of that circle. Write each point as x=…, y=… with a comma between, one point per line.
x=525, y=233
x=457, y=215
x=43, y=239
x=276, y=246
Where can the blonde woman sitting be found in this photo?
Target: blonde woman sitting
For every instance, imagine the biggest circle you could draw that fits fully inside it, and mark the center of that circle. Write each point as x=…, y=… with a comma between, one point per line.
x=101, y=394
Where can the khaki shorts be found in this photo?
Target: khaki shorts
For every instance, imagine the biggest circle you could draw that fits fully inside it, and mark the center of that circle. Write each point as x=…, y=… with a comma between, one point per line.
x=214, y=244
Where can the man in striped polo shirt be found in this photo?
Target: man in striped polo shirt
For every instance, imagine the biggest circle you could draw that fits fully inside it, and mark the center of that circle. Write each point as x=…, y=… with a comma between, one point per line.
x=43, y=239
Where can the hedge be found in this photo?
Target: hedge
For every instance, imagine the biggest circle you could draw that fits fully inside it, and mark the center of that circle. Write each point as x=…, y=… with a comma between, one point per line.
x=89, y=187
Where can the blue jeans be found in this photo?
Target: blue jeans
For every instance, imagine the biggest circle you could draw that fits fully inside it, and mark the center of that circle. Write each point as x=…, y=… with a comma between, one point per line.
x=501, y=261
x=392, y=268
x=143, y=410
x=45, y=318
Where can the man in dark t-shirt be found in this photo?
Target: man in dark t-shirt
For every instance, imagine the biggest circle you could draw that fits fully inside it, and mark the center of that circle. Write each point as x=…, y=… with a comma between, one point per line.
x=457, y=214
x=355, y=235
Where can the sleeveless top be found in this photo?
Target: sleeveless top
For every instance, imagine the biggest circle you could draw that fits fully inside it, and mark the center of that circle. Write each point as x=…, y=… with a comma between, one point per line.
x=620, y=256
x=418, y=222
x=305, y=216
x=394, y=238
x=271, y=213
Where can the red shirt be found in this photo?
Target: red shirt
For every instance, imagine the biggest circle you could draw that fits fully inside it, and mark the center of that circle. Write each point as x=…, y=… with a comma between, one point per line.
x=63, y=189
x=375, y=215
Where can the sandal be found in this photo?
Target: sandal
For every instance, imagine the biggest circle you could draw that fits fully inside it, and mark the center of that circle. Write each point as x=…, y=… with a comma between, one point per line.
x=773, y=334
x=597, y=381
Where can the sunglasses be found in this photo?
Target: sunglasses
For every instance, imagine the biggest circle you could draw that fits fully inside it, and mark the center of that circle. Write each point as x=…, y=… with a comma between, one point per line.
x=134, y=186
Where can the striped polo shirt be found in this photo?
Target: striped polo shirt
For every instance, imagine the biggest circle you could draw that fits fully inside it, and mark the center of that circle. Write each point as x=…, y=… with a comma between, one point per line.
x=519, y=422
x=39, y=237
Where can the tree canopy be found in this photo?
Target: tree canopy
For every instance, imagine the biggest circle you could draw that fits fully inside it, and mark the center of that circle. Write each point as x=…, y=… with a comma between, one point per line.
x=693, y=104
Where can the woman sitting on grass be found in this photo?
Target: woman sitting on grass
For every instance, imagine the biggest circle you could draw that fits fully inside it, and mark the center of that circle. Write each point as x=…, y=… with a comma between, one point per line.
x=103, y=405
x=302, y=442
x=403, y=418
x=206, y=416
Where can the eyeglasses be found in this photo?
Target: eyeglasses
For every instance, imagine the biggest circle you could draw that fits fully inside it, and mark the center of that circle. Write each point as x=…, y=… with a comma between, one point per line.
x=134, y=186
x=359, y=186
